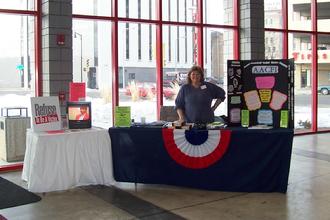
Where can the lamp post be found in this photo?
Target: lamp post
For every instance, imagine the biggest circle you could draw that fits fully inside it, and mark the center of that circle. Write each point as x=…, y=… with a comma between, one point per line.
x=81, y=58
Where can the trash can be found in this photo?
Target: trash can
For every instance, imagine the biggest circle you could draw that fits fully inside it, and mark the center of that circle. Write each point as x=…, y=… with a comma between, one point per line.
x=13, y=124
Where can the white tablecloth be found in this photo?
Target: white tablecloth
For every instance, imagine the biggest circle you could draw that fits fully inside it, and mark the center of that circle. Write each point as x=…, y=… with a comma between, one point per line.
x=64, y=160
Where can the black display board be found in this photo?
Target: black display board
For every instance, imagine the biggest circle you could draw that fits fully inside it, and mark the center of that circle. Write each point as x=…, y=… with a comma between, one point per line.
x=260, y=92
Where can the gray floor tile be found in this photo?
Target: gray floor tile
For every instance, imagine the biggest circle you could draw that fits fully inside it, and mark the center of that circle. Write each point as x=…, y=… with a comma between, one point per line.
x=308, y=196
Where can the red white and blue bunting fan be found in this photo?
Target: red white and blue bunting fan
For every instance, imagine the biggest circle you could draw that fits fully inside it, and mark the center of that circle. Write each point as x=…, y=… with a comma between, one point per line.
x=196, y=149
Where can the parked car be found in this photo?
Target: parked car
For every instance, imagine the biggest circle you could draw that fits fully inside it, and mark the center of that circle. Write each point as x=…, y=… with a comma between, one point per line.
x=182, y=77
x=213, y=80
x=178, y=77
x=168, y=80
x=324, y=90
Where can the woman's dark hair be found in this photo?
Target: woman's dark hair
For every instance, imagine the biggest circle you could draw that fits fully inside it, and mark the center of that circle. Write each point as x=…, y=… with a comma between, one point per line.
x=198, y=69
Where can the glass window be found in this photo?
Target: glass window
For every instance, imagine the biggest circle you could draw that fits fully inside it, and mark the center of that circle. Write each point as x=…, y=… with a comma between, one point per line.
x=323, y=82
x=273, y=45
x=273, y=14
x=303, y=98
x=17, y=63
x=92, y=64
x=218, y=12
x=178, y=57
x=299, y=15
x=92, y=7
x=143, y=9
x=323, y=15
x=218, y=48
x=137, y=74
x=180, y=10
x=18, y=4
x=17, y=66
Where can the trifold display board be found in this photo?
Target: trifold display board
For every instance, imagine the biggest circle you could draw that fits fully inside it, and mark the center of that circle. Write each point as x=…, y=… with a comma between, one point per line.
x=260, y=92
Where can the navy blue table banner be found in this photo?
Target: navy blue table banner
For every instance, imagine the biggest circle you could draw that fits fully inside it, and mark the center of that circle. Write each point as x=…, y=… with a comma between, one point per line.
x=240, y=160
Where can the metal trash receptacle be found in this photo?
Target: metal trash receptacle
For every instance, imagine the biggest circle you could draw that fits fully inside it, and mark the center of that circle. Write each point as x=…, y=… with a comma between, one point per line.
x=13, y=124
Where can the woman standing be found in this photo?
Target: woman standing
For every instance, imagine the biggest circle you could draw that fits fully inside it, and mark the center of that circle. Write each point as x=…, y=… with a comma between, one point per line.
x=194, y=100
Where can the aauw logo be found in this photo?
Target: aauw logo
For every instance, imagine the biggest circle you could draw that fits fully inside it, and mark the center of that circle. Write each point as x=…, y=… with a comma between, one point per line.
x=264, y=69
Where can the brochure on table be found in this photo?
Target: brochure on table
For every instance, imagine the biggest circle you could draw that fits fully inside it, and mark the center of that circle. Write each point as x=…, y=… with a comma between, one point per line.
x=260, y=92
x=46, y=114
x=123, y=116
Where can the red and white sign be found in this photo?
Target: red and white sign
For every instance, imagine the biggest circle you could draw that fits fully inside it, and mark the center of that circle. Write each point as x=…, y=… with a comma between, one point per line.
x=46, y=114
x=305, y=56
x=77, y=91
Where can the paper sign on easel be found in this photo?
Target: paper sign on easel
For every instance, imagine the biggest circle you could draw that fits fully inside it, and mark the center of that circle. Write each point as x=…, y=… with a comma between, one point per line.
x=263, y=91
x=46, y=114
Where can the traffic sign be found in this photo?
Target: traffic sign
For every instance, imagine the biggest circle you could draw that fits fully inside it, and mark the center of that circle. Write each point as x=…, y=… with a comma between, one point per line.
x=20, y=67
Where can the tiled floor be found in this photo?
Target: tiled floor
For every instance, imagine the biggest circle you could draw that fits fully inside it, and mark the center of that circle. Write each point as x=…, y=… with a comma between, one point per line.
x=308, y=196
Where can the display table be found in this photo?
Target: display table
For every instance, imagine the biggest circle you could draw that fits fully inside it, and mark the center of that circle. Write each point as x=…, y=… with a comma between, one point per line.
x=252, y=160
x=59, y=161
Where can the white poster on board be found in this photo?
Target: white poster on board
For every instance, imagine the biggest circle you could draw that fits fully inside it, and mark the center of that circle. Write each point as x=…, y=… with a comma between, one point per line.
x=46, y=114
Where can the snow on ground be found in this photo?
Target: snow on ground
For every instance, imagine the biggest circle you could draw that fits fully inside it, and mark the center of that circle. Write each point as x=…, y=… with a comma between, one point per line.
x=102, y=111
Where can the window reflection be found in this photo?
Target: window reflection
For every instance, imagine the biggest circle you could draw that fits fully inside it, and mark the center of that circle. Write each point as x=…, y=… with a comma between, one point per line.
x=298, y=49
x=218, y=12
x=17, y=67
x=180, y=10
x=323, y=75
x=16, y=64
x=92, y=7
x=143, y=9
x=299, y=13
x=91, y=42
x=273, y=14
x=273, y=45
x=18, y=4
x=323, y=15
x=178, y=56
x=137, y=69
x=218, y=48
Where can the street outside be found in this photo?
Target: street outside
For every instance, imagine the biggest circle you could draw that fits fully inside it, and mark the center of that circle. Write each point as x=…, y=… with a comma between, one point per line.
x=147, y=107
x=306, y=100
x=301, y=98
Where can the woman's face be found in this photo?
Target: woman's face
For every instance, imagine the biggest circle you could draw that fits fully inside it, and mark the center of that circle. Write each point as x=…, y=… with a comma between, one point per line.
x=83, y=110
x=195, y=77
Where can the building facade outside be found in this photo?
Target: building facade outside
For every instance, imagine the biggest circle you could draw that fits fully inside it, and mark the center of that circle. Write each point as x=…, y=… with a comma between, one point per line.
x=300, y=44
